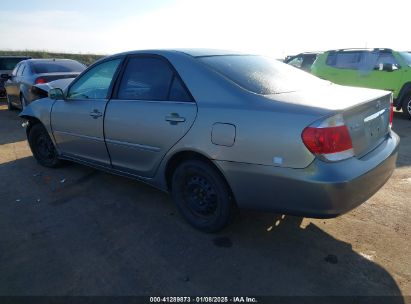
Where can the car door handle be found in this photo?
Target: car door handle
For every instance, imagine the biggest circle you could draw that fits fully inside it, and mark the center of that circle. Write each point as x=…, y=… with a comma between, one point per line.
x=174, y=118
x=96, y=114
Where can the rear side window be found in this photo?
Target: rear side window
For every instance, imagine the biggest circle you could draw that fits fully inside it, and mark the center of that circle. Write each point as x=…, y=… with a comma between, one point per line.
x=95, y=83
x=344, y=60
x=151, y=78
x=58, y=66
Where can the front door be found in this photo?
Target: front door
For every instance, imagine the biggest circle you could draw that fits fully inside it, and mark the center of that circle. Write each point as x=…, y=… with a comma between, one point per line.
x=77, y=121
x=150, y=112
x=370, y=76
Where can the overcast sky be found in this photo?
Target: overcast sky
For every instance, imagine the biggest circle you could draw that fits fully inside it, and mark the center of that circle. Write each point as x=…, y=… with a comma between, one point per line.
x=276, y=27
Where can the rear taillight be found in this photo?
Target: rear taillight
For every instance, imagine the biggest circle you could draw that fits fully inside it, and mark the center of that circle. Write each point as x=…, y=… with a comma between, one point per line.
x=329, y=139
x=40, y=80
x=391, y=112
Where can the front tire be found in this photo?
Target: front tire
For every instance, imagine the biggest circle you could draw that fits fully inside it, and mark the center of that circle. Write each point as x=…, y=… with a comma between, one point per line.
x=406, y=105
x=202, y=195
x=42, y=147
x=23, y=102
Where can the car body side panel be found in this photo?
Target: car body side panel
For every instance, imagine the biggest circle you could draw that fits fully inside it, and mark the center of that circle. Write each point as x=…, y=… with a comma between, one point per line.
x=320, y=190
x=77, y=133
x=138, y=134
x=40, y=110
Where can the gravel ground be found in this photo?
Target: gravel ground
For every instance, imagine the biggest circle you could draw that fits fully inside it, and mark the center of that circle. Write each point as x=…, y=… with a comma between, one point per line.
x=78, y=231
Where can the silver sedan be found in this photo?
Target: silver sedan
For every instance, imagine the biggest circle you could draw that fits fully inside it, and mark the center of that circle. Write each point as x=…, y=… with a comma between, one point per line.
x=221, y=130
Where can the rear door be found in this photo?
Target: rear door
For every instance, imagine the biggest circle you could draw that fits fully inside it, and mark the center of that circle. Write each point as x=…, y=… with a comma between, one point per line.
x=77, y=121
x=150, y=112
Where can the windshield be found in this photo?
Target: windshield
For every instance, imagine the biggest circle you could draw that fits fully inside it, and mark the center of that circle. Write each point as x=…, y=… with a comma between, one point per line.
x=9, y=63
x=261, y=75
x=407, y=57
x=58, y=66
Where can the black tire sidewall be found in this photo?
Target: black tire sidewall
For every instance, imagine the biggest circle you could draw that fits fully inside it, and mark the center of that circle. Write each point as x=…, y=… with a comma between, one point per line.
x=36, y=131
x=10, y=107
x=22, y=101
x=224, y=199
x=405, y=103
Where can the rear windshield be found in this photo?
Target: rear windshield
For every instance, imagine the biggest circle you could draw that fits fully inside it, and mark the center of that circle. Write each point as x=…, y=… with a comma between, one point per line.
x=9, y=63
x=261, y=75
x=58, y=66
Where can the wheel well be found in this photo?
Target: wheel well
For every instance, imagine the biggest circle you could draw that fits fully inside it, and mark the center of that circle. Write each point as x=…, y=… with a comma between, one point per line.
x=178, y=158
x=32, y=121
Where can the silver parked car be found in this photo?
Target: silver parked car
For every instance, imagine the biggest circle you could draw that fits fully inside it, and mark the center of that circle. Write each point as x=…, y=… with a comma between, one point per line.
x=220, y=130
x=20, y=85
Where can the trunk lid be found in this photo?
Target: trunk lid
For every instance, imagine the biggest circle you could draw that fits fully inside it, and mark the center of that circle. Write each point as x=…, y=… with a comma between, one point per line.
x=54, y=76
x=368, y=124
x=366, y=112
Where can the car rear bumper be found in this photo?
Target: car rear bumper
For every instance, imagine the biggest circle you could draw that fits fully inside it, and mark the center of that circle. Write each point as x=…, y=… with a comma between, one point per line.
x=321, y=190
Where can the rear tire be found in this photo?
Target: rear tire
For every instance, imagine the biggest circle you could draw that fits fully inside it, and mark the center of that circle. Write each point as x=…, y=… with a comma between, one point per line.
x=202, y=196
x=23, y=102
x=42, y=147
x=406, y=105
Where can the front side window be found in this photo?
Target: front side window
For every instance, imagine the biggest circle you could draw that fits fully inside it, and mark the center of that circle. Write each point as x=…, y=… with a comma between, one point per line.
x=95, y=83
x=406, y=57
x=386, y=57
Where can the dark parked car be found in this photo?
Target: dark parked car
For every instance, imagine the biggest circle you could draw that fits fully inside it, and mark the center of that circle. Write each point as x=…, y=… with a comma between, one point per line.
x=7, y=64
x=28, y=73
x=302, y=61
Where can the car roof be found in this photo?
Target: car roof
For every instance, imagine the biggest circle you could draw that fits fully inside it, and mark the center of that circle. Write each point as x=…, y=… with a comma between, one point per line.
x=361, y=50
x=191, y=52
x=48, y=60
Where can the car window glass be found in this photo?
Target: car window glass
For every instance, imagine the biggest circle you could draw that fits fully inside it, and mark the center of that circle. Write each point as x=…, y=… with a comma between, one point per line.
x=14, y=72
x=297, y=62
x=22, y=69
x=344, y=60
x=386, y=57
x=406, y=57
x=178, y=92
x=96, y=82
x=146, y=79
x=9, y=63
x=261, y=75
x=57, y=66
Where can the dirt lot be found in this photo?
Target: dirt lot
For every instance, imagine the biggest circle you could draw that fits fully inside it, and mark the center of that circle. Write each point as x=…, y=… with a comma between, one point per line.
x=77, y=231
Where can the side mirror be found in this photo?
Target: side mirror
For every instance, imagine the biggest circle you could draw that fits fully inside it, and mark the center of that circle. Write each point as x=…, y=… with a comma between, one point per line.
x=388, y=67
x=56, y=94
x=5, y=76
